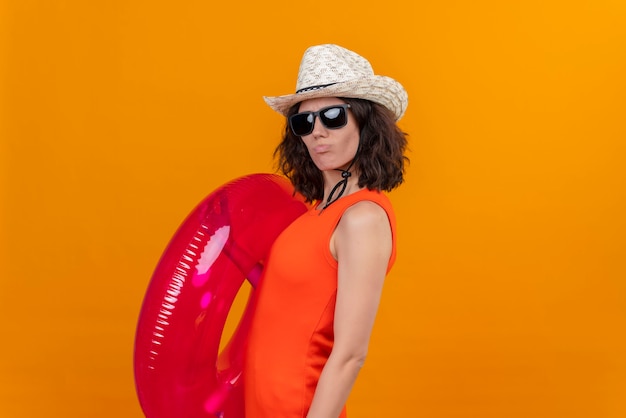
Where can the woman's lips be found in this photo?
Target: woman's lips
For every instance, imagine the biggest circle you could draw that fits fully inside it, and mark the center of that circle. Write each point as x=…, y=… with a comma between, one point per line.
x=320, y=149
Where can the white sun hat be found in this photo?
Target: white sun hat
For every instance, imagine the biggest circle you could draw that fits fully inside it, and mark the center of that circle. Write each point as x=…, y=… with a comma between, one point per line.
x=333, y=71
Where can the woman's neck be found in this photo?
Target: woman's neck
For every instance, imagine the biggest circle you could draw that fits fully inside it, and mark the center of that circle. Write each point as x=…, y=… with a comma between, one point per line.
x=333, y=187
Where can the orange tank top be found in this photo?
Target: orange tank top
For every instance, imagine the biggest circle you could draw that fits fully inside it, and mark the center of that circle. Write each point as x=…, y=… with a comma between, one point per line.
x=292, y=330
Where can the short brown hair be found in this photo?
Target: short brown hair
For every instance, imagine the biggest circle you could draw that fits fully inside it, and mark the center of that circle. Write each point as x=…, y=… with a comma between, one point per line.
x=380, y=159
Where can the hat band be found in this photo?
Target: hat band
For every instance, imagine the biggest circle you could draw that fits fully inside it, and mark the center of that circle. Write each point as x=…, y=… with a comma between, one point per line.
x=321, y=86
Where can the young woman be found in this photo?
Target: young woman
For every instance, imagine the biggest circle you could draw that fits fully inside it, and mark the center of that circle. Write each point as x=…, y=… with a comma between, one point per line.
x=323, y=280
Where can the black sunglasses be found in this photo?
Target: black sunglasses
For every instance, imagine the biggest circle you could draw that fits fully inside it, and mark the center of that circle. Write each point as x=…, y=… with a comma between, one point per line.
x=333, y=117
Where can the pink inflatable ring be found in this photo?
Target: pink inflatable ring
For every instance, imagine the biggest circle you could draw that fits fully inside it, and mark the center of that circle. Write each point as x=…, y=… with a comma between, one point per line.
x=223, y=242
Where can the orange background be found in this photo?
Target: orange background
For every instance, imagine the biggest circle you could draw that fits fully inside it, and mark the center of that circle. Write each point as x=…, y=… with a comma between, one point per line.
x=509, y=295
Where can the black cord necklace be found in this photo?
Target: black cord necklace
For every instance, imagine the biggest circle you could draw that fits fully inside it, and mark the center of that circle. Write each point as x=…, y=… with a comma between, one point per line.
x=342, y=184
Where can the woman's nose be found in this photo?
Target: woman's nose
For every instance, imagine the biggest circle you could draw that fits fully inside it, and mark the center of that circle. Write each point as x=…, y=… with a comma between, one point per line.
x=318, y=127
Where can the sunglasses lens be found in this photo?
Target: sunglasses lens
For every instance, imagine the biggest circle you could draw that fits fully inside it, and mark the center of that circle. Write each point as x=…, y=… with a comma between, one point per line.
x=302, y=123
x=334, y=117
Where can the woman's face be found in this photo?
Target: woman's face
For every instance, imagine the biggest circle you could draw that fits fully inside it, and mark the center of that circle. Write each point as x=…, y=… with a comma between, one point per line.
x=330, y=149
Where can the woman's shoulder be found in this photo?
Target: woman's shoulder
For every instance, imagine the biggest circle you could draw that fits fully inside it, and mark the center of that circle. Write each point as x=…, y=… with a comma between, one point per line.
x=366, y=212
x=368, y=222
x=364, y=225
x=371, y=198
x=364, y=207
x=369, y=207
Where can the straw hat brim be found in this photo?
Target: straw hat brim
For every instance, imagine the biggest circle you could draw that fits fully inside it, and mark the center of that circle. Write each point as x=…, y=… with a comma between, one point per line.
x=376, y=88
